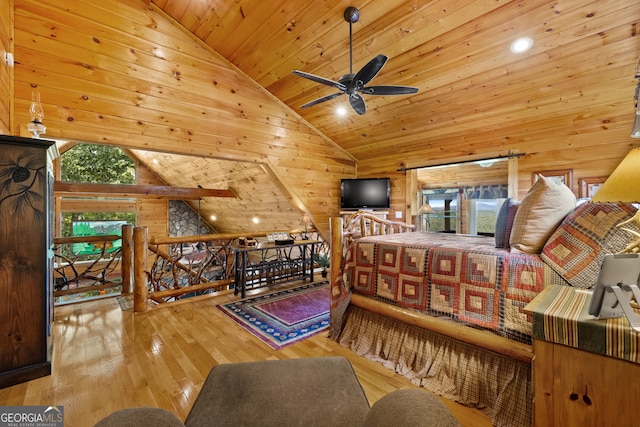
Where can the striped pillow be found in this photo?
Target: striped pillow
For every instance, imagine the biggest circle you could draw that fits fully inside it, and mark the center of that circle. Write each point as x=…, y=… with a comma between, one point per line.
x=504, y=222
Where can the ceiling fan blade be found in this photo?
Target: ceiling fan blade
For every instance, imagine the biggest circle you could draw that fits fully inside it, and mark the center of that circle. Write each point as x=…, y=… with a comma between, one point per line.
x=389, y=90
x=357, y=103
x=323, y=99
x=369, y=71
x=320, y=80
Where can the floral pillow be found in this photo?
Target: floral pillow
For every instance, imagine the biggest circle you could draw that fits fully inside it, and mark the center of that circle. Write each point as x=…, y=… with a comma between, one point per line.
x=575, y=250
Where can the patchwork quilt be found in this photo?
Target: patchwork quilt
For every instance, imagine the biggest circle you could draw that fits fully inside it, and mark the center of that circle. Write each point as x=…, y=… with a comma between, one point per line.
x=464, y=278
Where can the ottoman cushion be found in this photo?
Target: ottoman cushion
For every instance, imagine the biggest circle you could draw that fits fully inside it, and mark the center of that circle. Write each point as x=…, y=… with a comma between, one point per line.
x=297, y=392
x=410, y=407
x=141, y=417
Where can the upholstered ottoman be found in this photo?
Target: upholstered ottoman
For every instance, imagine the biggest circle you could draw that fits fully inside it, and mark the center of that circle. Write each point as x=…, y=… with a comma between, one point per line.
x=297, y=392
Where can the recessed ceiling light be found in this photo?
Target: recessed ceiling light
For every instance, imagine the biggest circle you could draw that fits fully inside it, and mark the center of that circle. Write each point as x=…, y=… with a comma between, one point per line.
x=521, y=45
x=213, y=218
x=256, y=220
x=341, y=111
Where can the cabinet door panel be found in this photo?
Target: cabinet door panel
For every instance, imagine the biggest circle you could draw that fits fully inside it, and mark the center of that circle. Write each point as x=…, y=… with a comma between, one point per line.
x=24, y=243
x=587, y=389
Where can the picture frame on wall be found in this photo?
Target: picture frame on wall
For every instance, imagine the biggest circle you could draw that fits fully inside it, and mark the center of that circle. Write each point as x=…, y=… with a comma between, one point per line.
x=589, y=186
x=560, y=176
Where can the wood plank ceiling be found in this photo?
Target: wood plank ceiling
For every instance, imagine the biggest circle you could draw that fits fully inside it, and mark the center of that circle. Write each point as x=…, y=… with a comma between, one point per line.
x=475, y=96
x=566, y=103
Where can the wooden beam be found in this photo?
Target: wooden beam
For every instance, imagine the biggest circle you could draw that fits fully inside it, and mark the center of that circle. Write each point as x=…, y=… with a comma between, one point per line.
x=62, y=188
x=96, y=205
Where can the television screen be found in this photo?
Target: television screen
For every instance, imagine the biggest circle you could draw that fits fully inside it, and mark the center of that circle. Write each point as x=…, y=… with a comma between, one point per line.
x=365, y=193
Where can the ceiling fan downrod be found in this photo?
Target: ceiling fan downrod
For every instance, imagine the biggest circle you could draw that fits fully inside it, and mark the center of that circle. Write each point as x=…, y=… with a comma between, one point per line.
x=351, y=15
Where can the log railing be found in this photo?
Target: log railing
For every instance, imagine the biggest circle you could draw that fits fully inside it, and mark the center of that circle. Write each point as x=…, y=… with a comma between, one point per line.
x=92, y=271
x=159, y=269
x=168, y=269
x=189, y=265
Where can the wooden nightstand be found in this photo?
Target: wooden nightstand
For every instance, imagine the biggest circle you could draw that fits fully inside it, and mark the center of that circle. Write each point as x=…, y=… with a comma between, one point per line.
x=586, y=372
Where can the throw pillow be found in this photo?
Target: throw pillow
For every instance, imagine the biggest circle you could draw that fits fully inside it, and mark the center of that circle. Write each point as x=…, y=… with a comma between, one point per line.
x=504, y=222
x=575, y=250
x=541, y=211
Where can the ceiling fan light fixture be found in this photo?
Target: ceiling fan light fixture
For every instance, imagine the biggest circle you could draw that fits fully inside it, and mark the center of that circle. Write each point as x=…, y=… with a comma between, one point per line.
x=341, y=111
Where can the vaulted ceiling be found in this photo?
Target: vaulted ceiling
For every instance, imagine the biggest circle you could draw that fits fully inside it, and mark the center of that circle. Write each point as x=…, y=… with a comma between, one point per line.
x=577, y=78
x=217, y=105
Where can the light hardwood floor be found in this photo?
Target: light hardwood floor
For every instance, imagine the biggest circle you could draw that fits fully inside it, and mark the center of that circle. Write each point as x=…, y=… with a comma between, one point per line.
x=105, y=359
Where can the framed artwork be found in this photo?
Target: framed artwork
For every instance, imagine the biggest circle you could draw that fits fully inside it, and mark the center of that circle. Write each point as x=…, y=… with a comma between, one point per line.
x=562, y=176
x=589, y=186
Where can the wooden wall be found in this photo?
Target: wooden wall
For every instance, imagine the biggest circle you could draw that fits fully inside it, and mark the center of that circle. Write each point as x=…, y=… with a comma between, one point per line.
x=125, y=73
x=152, y=213
x=122, y=73
x=6, y=73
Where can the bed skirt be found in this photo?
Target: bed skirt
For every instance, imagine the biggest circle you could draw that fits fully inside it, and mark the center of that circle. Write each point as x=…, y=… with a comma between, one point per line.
x=498, y=385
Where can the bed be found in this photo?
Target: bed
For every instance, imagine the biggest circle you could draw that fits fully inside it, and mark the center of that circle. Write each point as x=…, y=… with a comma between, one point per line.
x=447, y=311
x=444, y=310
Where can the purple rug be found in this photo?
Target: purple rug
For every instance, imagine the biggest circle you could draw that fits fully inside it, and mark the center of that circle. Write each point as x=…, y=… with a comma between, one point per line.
x=284, y=317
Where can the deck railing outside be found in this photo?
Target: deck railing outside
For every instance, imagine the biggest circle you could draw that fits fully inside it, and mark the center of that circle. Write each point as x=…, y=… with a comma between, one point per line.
x=86, y=267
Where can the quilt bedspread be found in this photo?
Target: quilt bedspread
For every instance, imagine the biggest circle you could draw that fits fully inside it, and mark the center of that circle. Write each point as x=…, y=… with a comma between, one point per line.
x=464, y=278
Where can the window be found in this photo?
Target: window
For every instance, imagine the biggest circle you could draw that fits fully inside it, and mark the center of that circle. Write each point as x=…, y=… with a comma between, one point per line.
x=444, y=202
x=483, y=214
x=469, y=193
x=466, y=210
x=96, y=164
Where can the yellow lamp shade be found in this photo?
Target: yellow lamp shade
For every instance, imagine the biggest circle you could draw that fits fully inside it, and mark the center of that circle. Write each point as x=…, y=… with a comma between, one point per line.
x=621, y=186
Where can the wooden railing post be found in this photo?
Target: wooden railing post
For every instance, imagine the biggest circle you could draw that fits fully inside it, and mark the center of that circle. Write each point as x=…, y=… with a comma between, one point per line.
x=336, y=254
x=141, y=292
x=127, y=259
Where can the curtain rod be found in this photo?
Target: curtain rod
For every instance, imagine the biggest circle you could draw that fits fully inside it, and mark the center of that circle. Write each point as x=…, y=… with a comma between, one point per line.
x=508, y=156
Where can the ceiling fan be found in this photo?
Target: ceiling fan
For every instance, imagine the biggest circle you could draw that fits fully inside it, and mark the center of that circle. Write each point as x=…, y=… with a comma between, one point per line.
x=354, y=84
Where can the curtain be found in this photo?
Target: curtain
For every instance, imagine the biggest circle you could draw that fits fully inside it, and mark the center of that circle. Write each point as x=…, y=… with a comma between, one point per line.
x=486, y=192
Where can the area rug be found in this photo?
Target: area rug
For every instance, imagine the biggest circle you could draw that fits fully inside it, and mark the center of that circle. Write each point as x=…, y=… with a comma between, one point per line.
x=282, y=318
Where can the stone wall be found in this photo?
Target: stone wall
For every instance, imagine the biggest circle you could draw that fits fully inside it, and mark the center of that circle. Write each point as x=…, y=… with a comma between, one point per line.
x=183, y=221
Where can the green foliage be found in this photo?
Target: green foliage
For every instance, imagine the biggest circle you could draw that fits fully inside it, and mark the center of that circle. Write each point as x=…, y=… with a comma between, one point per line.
x=322, y=260
x=69, y=218
x=98, y=164
x=486, y=222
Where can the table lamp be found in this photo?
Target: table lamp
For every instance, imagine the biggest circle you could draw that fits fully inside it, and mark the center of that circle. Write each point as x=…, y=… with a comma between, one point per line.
x=621, y=186
x=426, y=210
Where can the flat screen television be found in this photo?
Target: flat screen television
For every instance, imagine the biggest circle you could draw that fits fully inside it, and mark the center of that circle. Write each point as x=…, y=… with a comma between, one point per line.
x=365, y=193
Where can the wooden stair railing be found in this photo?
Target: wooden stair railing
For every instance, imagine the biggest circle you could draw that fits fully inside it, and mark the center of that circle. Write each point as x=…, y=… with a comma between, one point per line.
x=167, y=268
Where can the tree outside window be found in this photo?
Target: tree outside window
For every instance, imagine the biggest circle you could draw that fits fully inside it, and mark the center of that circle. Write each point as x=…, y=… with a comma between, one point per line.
x=96, y=164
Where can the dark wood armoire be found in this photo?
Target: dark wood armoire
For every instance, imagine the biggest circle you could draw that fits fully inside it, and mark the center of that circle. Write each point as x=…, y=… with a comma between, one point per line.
x=26, y=258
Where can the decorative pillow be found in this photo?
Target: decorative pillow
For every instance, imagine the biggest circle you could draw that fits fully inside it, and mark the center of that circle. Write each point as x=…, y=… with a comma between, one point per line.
x=575, y=250
x=504, y=222
x=541, y=211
